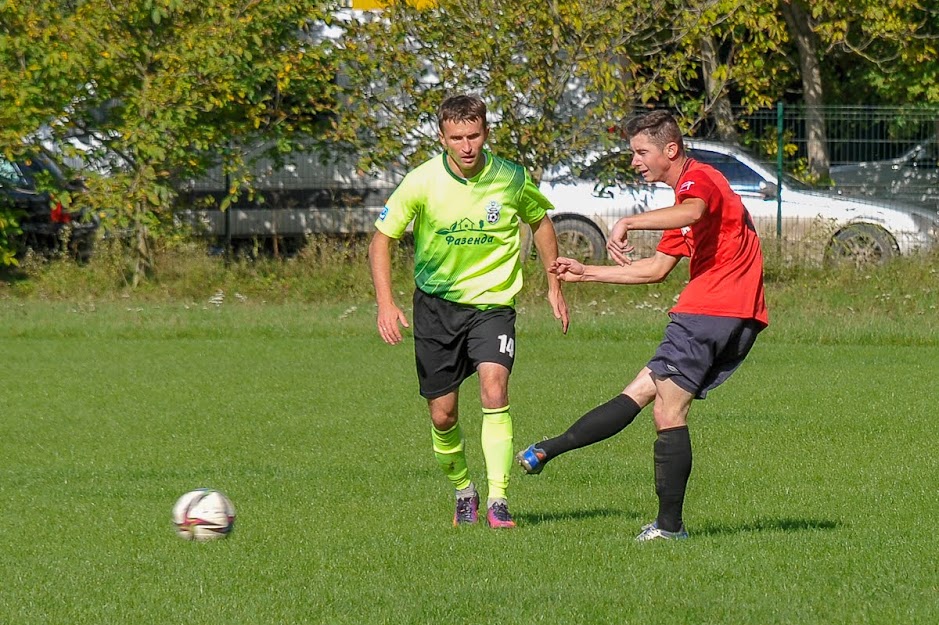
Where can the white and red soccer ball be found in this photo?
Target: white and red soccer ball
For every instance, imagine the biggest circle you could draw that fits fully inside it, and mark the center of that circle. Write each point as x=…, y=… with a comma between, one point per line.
x=203, y=514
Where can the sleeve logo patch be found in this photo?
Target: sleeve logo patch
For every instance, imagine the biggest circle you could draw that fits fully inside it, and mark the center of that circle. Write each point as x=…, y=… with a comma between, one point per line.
x=685, y=186
x=384, y=213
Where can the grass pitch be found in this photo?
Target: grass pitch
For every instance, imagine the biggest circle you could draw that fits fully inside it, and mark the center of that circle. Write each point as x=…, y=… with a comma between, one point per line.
x=812, y=500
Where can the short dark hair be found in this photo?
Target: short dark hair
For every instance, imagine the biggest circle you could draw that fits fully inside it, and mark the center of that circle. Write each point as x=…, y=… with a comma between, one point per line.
x=660, y=126
x=461, y=108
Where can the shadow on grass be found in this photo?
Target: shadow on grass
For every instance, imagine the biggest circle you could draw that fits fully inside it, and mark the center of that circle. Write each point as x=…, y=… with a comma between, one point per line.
x=708, y=529
x=767, y=525
x=534, y=518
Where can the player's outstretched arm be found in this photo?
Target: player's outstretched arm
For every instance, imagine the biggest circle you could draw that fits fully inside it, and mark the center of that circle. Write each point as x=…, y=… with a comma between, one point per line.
x=643, y=271
x=546, y=242
x=389, y=315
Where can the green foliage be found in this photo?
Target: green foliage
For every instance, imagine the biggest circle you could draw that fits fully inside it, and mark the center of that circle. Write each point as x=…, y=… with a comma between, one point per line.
x=150, y=93
x=35, y=67
x=556, y=76
x=885, y=51
x=9, y=228
x=751, y=45
x=155, y=89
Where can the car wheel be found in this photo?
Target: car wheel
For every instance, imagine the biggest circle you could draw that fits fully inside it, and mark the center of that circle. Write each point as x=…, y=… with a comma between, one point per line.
x=580, y=240
x=861, y=244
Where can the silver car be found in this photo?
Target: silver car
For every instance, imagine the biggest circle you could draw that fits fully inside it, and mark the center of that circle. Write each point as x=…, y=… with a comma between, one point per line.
x=818, y=224
x=911, y=177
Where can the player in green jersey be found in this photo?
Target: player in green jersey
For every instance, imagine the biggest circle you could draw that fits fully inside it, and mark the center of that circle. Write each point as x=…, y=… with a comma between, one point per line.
x=467, y=206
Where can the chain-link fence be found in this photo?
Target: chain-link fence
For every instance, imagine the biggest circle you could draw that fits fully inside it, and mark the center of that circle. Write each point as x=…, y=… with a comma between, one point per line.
x=854, y=134
x=873, y=172
x=862, y=183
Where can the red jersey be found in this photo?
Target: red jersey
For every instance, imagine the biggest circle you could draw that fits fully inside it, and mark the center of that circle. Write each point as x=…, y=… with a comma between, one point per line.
x=726, y=260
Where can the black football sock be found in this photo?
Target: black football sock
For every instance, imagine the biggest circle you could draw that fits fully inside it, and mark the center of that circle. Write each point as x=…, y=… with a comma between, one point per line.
x=600, y=423
x=672, y=452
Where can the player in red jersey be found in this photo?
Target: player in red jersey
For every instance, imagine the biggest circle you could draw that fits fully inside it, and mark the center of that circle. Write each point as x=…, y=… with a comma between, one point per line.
x=712, y=326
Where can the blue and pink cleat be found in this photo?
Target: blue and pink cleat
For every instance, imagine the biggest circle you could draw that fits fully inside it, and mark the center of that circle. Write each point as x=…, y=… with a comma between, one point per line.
x=532, y=460
x=467, y=510
x=498, y=515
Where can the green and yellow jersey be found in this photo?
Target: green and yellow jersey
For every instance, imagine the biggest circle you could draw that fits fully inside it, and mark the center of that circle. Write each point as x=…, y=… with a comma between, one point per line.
x=467, y=240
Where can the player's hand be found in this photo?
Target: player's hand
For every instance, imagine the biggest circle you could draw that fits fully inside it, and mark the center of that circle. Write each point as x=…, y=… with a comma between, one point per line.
x=389, y=317
x=559, y=308
x=618, y=244
x=567, y=269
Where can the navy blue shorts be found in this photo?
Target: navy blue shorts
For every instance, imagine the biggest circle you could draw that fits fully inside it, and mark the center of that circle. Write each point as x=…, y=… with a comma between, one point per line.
x=699, y=352
x=451, y=340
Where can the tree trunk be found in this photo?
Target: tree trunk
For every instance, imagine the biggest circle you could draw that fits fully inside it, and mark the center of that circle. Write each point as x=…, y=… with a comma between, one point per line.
x=717, y=101
x=798, y=20
x=142, y=254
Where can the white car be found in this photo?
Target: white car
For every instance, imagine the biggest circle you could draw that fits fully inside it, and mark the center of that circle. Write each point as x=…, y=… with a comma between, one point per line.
x=821, y=224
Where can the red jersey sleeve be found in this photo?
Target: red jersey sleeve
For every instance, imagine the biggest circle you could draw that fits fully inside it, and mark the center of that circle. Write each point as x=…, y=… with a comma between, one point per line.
x=674, y=243
x=696, y=184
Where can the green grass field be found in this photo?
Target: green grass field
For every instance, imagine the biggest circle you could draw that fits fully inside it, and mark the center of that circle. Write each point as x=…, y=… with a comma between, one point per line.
x=813, y=497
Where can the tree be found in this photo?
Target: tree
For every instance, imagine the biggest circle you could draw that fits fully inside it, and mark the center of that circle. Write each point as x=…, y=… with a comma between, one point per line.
x=556, y=76
x=740, y=49
x=156, y=89
x=797, y=16
x=892, y=45
x=36, y=67
x=885, y=51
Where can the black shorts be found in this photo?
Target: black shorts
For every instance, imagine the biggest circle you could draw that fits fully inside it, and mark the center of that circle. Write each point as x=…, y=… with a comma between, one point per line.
x=450, y=340
x=699, y=352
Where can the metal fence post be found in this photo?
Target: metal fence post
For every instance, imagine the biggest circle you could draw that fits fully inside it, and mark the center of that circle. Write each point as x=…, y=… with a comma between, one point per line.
x=228, y=253
x=779, y=168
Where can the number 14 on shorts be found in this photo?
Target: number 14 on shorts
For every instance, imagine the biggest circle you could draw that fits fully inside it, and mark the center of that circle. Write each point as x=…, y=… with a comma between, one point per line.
x=506, y=345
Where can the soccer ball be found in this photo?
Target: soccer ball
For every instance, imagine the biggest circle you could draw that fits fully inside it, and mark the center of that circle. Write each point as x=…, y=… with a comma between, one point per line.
x=203, y=514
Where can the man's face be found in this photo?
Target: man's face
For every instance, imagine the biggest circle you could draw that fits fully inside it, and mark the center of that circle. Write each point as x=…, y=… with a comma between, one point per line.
x=464, y=142
x=651, y=161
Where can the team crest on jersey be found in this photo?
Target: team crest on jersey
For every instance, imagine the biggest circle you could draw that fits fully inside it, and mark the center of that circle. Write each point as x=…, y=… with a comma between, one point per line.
x=685, y=186
x=493, y=211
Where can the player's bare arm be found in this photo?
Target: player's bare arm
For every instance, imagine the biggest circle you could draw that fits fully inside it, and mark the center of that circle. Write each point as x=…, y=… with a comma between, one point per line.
x=686, y=213
x=644, y=271
x=389, y=315
x=546, y=243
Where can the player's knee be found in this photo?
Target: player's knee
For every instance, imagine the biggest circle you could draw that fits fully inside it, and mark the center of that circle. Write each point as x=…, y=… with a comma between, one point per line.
x=494, y=400
x=666, y=418
x=443, y=421
x=493, y=392
x=444, y=411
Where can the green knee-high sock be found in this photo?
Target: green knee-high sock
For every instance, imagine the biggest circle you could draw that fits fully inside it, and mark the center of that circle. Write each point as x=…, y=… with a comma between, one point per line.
x=448, y=448
x=497, y=449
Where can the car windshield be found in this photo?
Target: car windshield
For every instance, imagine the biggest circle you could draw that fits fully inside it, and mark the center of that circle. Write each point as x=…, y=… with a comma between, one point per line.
x=740, y=175
x=612, y=168
x=616, y=168
x=9, y=174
